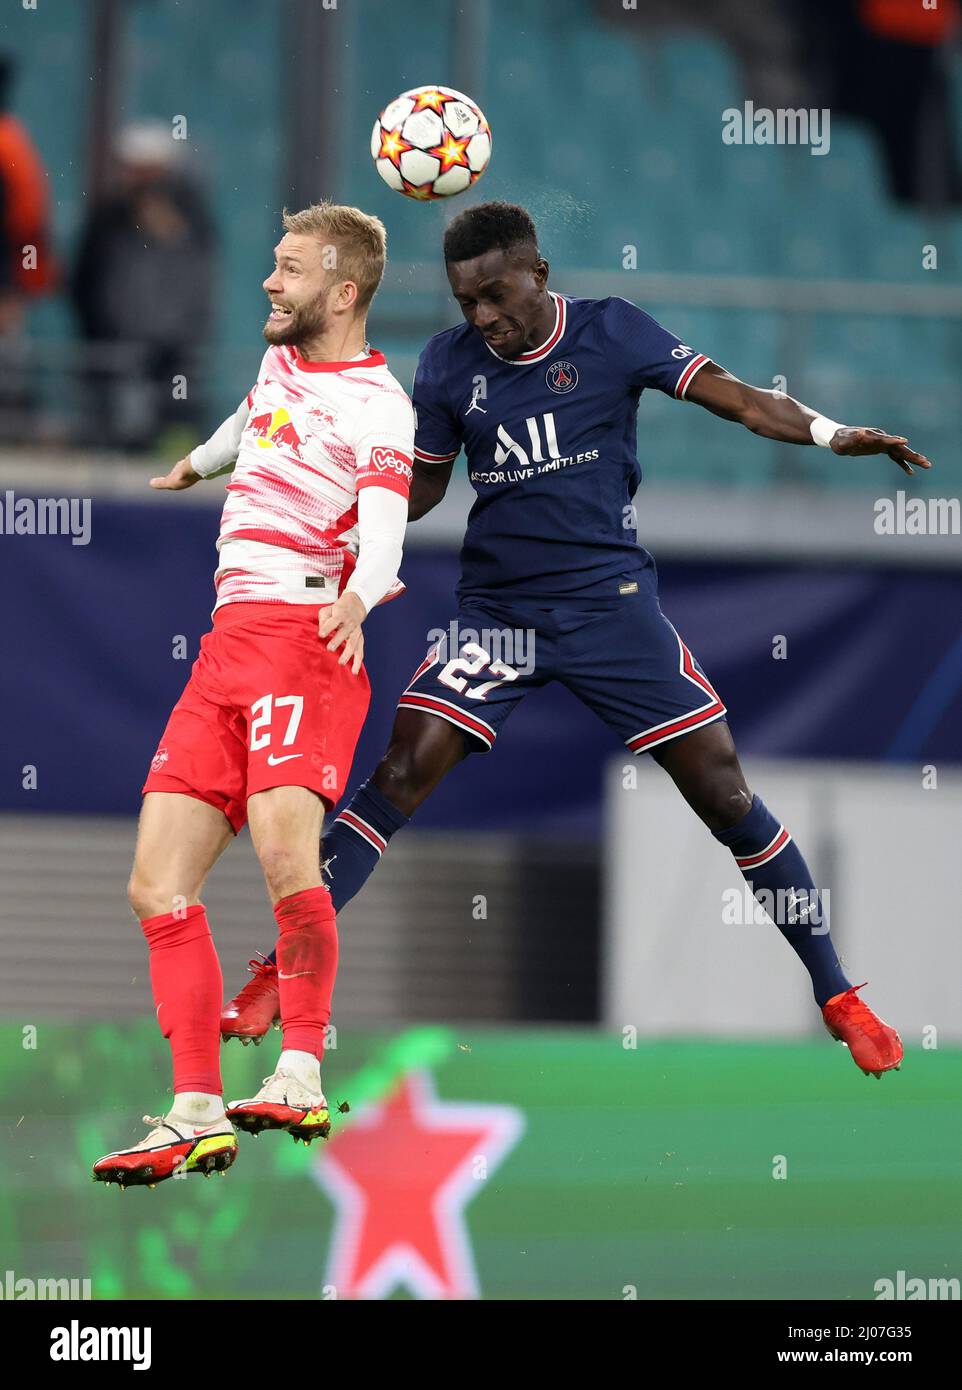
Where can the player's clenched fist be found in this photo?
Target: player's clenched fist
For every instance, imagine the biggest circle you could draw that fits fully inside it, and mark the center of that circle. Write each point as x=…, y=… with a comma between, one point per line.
x=342, y=623
x=180, y=476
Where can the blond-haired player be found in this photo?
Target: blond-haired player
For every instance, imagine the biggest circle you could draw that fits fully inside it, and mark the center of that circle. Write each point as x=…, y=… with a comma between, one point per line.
x=265, y=730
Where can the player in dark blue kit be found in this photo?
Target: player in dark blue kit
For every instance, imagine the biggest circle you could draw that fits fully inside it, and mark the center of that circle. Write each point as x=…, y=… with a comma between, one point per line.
x=542, y=391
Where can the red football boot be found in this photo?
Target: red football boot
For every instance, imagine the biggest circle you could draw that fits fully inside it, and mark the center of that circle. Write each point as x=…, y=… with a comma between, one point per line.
x=168, y=1150
x=875, y=1047
x=250, y=1013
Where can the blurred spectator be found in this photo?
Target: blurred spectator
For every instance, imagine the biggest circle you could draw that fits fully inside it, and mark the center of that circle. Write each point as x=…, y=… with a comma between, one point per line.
x=27, y=267
x=880, y=61
x=142, y=291
x=884, y=62
x=762, y=34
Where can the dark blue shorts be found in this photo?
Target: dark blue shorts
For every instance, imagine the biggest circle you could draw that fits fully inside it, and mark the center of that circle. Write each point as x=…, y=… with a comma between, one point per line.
x=623, y=660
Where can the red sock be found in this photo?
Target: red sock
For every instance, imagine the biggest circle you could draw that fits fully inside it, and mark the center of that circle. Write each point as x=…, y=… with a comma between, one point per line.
x=188, y=991
x=306, y=967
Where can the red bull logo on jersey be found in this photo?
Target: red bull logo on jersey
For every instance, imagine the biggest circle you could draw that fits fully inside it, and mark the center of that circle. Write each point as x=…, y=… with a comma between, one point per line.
x=320, y=419
x=275, y=429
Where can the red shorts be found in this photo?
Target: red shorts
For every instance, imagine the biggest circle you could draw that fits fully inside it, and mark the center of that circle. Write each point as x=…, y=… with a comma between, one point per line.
x=267, y=705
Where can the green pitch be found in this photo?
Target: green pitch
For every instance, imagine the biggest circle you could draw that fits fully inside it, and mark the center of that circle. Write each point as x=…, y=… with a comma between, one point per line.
x=651, y=1172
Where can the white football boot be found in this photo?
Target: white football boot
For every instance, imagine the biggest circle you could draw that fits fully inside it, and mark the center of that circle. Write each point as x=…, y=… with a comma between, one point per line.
x=173, y=1146
x=284, y=1102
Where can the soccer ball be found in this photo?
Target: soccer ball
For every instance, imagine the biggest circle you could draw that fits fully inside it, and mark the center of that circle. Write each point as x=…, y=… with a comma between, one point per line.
x=431, y=142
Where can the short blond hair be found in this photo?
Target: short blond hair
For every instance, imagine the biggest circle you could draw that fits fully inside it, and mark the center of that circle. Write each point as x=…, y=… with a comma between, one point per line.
x=360, y=241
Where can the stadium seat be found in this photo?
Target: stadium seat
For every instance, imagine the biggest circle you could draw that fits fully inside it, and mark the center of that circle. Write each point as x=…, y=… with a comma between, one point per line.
x=612, y=139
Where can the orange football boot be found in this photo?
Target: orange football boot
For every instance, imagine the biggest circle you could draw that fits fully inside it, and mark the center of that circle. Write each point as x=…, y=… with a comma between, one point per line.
x=874, y=1045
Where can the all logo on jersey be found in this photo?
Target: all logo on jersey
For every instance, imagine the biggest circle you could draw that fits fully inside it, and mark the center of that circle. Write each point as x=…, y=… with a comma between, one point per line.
x=513, y=462
x=562, y=377
x=506, y=447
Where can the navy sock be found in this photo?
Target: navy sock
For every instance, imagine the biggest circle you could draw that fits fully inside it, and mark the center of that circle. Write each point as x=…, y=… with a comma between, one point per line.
x=355, y=842
x=779, y=877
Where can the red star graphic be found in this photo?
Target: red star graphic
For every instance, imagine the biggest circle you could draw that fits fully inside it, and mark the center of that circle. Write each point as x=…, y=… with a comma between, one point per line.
x=430, y=99
x=393, y=145
x=424, y=192
x=400, y=1176
x=450, y=153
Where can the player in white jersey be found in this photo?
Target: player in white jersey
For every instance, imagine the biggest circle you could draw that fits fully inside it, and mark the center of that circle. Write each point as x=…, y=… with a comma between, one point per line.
x=311, y=534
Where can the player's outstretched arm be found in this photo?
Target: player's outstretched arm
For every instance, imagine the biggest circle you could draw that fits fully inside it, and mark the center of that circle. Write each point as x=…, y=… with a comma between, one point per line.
x=428, y=486
x=777, y=416
x=216, y=456
x=180, y=476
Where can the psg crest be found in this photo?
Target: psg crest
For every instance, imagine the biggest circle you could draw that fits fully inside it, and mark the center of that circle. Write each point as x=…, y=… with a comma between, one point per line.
x=561, y=377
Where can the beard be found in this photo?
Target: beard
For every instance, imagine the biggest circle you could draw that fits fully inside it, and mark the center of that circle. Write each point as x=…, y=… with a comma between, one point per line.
x=306, y=321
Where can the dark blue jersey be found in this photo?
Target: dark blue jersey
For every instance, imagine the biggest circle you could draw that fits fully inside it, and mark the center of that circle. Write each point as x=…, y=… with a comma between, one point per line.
x=550, y=440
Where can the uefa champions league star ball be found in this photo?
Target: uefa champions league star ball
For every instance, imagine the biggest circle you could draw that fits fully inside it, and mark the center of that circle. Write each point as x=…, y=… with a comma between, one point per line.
x=431, y=142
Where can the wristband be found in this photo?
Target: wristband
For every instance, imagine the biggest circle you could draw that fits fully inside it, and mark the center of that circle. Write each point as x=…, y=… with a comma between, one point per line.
x=822, y=430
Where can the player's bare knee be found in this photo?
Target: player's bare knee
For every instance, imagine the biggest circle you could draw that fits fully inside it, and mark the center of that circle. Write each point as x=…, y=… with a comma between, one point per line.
x=150, y=897
x=724, y=804
x=286, y=870
x=139, y=898
x=403, y=778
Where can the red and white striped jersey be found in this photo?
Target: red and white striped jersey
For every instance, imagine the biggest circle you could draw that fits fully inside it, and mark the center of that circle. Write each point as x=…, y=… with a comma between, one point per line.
x=307, y=439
